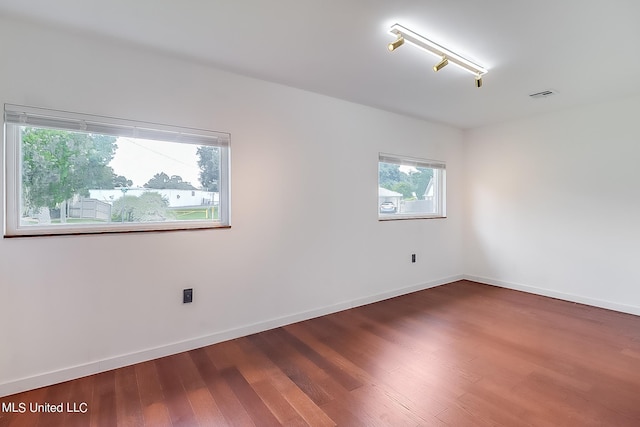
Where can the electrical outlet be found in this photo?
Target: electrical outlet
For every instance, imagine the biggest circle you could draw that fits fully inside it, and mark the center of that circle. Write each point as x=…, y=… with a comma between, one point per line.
x=187, y=296
x=413, y=257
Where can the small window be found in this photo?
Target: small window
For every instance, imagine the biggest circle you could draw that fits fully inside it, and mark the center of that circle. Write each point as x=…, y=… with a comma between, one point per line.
x=410, y=188
x=69, y=173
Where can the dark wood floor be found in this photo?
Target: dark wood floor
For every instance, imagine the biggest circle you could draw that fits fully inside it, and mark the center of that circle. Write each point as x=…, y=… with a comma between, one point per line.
x=457, y=355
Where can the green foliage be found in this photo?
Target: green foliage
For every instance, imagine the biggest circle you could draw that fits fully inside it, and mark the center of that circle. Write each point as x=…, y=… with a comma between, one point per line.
x=121, y=181
x=162, y=181
x=419, y=181
x=388, y=175
x=209, y=164
x=403, y=187
x=56, y=165
x=149, y=206
x=411, y=184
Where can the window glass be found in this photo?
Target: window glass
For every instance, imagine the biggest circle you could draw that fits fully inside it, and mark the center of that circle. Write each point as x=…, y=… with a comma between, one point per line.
x=71, y=173
x=410, y=188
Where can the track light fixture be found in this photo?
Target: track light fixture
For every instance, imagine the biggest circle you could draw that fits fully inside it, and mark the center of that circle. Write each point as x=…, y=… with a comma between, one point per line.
x=440, y=65
x=447, y=56
x=396, y=44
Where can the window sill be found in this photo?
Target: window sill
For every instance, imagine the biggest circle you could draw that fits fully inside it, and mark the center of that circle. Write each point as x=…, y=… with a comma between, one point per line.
x=404, y=218
x=85, y=232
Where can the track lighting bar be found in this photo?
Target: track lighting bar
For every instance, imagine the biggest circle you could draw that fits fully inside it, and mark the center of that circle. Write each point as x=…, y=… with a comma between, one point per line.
x=447, y=56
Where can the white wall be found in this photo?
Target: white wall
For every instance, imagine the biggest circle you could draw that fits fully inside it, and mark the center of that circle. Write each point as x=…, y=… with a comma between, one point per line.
x=305, y=239
x=553, y=204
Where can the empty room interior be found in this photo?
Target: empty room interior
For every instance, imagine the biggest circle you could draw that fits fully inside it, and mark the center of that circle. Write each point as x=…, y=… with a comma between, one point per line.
x=320, y=213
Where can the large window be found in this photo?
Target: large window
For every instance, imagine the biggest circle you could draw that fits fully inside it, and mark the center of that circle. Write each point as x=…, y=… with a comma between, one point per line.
x=69, y=173
x=410, y=188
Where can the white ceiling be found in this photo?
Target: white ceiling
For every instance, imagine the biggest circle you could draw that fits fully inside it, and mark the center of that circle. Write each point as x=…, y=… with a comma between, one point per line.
x=586, y=50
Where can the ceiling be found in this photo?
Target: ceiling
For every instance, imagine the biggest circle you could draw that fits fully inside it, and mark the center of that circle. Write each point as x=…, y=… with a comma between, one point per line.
x=587, y=51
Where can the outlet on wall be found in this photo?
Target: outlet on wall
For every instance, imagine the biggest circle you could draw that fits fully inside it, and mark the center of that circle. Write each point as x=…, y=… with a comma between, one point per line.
x=187, y=295
x=413, y=257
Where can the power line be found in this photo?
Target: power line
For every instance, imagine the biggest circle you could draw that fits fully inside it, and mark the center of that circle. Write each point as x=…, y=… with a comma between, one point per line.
x=132, y=141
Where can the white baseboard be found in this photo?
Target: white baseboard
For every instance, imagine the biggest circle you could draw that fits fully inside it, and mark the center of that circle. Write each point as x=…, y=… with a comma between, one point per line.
x=403, y=291
x=73, y=372
x=623, y=308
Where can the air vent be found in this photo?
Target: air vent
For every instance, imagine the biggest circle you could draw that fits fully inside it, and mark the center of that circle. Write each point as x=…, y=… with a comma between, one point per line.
x=543, y=94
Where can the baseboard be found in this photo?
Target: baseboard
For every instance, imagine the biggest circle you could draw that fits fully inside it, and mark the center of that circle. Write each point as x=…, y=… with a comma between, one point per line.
x=609, y=305
x=403, y=291
x=66, y=374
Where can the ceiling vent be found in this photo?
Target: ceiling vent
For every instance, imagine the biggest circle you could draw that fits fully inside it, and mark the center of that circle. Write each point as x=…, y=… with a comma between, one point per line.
x=543, y=94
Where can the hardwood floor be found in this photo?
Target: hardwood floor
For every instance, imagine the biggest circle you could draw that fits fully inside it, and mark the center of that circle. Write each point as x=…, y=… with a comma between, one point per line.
x=456, y=355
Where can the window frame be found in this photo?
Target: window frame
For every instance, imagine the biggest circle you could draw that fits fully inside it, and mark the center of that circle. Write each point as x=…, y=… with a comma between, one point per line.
x=16, y=116
x=439, y=167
